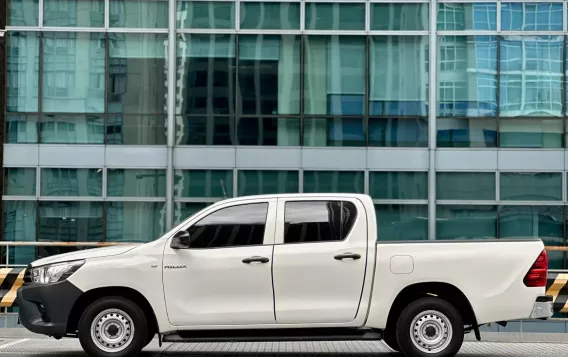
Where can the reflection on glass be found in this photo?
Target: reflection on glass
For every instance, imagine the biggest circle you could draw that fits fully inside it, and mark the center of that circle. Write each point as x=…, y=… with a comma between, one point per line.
x=531, y=133
x=399, y=75
x=458, y=222
x=334, y=181
x=206, y=73
x=398, y=17
x=77, y=129
x=203, y=183
x=22, y=71
x=398, y=185
x=531, y=16
x=334, y=131
x=402, y=222
x=19, y=182
x=467, y=16
x=531, y=76
x=543, y=222
x=270, y=15
x=467, y=76
x=21, y=129
x=268, y=131
x=269, y=74
x=75, y=13
x=322, y=16
x=138, y=76
x=19, y=221
x=135, y=221
x=398, y=132
x=139, y=13
x=23, y=12
x=184, y=210
x=136, y=130
x=334, y=75
x=136, y=183
x=267, y=182
x=206, y=130
x=467, y=132
x=531, y=186
x=71, y=221
x=205, y=14
x=71, y=182
x=465, y=186
x=68, y=87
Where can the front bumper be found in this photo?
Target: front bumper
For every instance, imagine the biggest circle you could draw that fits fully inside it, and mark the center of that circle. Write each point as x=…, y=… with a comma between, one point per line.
x=45, y=309
x=542, y=308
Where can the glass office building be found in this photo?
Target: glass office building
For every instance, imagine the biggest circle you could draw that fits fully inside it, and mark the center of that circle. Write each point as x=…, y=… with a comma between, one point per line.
x=123, y=117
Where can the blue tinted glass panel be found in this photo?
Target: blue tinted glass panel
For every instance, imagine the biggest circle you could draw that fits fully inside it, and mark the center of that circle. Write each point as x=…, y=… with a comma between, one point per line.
x=139, y=13
x=21, y=129
x=334, y=181
x=322, y=16
x=19, y=182
x=467, y=76
x=397, y=17
x=398, y=132
x=74, y=13
x=334, y=75
x=22, y=72
x=467, y=16
x=71, y=182
x=71, y=221
x=531, y=16
x=72, y=129
x=23, y=12
x=19, y=223
x=136, y=183
x=206, y=14
x=268, y=131
x=267, y=182
x=136, y=130
x=459, y=222
x=203, y=183
x=402, y=222
x=334, y=131
x=68, y=87
x=467, y=132
x=135, y=221
x=399, y=75
x=270, y=15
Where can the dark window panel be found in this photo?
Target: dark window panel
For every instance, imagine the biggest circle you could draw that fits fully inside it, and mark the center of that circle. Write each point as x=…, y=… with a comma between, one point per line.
x=337, y=16
x=268, y=131
x=136, y=183
x=334, y=181
x=19, y=181
x=530, y=186
x=398, y=132
x=23, y=12
x=267, y=182
x=345, y=131
x=139, y=13
x=402, y=222
x=203, y=183
x=270, y=15
x=206, y=14
x=465, y=186
x=456, y=222
x=467, y=132
x=19, y=225
x=135, y=221
x=531, y=133
x=71, y=221
x=136, y=130
x=398, y=185
x=21, y=129
x=399, y=17
x=204, y=130
x=22, y=72
x=72, y=129
x=71, y=182
x=74, y=13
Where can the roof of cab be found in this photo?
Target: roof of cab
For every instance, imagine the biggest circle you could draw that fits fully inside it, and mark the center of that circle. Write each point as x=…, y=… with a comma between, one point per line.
x=296, y=195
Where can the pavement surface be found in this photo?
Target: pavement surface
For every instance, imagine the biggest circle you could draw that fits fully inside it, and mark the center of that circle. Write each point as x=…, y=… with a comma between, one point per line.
x=38, y=347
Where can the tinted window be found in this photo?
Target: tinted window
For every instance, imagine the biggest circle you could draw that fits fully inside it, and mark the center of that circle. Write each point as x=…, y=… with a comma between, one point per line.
x=318, y=221
x=231, y=226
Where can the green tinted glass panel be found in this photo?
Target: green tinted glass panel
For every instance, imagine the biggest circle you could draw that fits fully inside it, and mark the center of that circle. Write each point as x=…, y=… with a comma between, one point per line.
x=136, y=183
x=465, y=186
x=531, y=133
x=206, y=14
x=267, y=182
x=71, y=182
x=334, y=181
x=66, y=221
x=466, y=222
x=323, y=16
x=20, y=182
x=183, y=210
x=203, y=183
x=21, y=129
x=136, y=130
x=72, y=129
x=467, y=16
x=398, y=17
x=139, y=13
x=543, y=222
x=334, y=131
x=22, y=71
x=135, y=221
x=23, y=12
x=398, y=185
x=270, y=15
x=402, y=222
x=530, y=186
x=19, y=221
x=74, y=13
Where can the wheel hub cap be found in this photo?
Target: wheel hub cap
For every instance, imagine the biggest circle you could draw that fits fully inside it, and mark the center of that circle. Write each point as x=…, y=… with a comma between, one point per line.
x=112, y=330
x=431, y=332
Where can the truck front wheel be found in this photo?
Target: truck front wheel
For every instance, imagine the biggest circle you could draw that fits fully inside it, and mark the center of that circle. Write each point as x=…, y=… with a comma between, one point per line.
x=113, y=327
x=430, y=327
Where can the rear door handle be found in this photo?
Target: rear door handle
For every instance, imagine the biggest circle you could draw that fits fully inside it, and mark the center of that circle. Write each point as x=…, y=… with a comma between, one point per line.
x=256, y=259
x=347, y=256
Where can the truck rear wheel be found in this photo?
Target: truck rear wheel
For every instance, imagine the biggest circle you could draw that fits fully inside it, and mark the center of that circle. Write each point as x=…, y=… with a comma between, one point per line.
x=430, y=327
x=113, y=327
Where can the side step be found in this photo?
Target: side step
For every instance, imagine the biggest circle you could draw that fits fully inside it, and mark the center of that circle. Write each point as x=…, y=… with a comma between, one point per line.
x=275, y=335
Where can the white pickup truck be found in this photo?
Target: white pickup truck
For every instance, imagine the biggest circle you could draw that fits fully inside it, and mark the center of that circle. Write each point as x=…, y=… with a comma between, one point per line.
x=281, y=268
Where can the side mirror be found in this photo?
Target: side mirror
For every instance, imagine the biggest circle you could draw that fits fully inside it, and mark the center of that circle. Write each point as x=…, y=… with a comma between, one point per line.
x=180, y=240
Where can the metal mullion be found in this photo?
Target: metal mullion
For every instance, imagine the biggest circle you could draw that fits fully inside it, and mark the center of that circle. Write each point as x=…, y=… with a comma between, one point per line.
x=135, y=199
x=237, y=95
x=303, y=44
x=498, y=91
x=19, y=198
x=531, y=33
x=466, y=203
x=367, y=16
x=432, y=118
x=530, y=203
x=107, y=14
x=235, y=181
x=269, y=32
x=399, y=202
x=208, y=31
x=303, y=16
x=40, y=15
x=40, y=86
x=396, y=33
x=335, y=32
x=107, y=84
x=197, y=199
x=22, y=29
x=72, y=29
x=498, y=19
x=130, y=30
x=564, y=17
x=468, y=33
x=367, y=96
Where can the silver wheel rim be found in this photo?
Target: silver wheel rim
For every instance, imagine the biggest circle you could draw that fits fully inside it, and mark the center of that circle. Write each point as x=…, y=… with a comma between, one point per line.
x=112, y=330
x=431, y=331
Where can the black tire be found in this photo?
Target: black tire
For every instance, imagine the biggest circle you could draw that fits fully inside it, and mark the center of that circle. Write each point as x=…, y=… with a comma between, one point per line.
x=149, y=338
x=389, y=337
x=444, y=320
x=118, y=304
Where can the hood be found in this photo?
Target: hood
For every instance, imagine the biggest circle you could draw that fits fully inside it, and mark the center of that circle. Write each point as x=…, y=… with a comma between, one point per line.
x=86, y=254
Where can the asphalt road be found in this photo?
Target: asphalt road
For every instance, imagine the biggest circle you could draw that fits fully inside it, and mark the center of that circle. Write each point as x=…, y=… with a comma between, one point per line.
x=25, y=347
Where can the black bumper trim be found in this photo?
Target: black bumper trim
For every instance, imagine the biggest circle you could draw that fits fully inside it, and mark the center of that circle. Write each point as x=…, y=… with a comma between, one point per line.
x=45, y=309
x=547, y=298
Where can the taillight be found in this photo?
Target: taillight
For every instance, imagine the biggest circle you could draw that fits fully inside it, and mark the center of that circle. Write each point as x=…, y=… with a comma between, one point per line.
x=536, y=277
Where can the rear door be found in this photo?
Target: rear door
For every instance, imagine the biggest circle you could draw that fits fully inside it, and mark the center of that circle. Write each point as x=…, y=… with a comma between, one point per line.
x=319, y=260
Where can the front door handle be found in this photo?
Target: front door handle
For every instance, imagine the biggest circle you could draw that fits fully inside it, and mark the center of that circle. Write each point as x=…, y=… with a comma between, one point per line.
x=347, y=256
x=256, y=259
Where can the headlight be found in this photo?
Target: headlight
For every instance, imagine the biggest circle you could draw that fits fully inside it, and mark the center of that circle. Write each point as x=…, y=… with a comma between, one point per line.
x=54, y=273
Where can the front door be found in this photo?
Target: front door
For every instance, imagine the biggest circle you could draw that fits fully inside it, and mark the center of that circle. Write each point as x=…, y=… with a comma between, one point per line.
x=225, y=276
x=320, y=255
